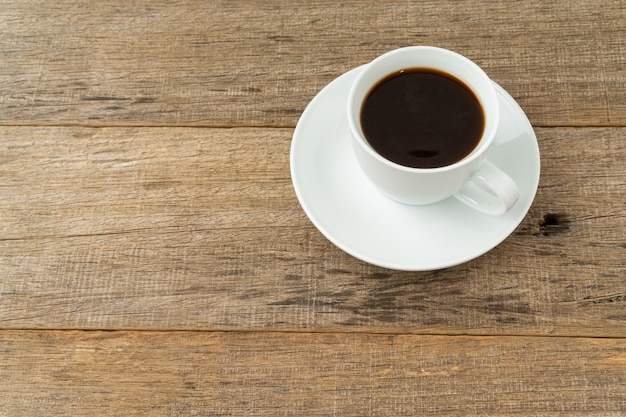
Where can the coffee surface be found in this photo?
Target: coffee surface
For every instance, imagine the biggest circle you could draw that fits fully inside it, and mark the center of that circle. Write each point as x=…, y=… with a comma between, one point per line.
x=422, y=118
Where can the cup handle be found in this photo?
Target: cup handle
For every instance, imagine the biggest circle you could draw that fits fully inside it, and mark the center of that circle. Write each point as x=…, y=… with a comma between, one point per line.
x=489, y=190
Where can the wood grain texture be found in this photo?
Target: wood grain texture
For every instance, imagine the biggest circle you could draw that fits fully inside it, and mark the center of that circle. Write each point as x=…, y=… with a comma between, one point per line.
x=223, y=63
x=154, y=259
x=269, y=374
x=185, y=228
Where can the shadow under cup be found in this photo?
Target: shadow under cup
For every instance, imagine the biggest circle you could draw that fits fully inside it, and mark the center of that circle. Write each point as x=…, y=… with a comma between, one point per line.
x=421, y=185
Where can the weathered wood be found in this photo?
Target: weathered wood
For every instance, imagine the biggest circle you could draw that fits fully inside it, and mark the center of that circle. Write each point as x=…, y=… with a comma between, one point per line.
x=308, y=374
x=181, y=228
x=259, y=63
x=145, y=189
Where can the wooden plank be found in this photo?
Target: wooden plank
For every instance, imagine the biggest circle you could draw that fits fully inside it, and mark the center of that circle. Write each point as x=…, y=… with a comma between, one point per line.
x=258, y=63
x=194, y=373
x=185, y=228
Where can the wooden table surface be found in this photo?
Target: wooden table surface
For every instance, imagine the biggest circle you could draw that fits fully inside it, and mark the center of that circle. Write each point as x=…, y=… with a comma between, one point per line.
x=154, y=259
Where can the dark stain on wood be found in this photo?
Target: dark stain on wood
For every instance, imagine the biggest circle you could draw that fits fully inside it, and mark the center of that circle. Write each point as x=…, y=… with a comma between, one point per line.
x=394, y=296
x=554, y=224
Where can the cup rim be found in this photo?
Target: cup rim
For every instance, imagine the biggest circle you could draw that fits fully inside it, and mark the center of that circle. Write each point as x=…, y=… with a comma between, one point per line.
x=484, y=142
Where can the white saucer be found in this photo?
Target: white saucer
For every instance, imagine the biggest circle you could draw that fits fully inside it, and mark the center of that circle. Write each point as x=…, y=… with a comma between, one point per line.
x=356, y=217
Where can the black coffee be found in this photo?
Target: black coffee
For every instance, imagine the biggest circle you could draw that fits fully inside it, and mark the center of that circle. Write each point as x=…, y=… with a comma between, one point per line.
x=422, y=118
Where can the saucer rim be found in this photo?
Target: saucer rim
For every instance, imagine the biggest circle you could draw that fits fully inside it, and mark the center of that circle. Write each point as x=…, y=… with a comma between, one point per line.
x=530, y=193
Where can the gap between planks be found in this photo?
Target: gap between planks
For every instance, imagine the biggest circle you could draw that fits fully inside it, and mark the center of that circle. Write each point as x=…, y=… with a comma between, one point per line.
x=315, y=332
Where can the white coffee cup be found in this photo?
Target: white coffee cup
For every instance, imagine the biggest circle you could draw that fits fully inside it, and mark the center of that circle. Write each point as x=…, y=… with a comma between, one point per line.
x=473, y=180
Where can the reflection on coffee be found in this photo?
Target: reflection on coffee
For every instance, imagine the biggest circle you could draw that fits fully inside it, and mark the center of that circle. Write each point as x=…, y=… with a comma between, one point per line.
x=422, y=118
